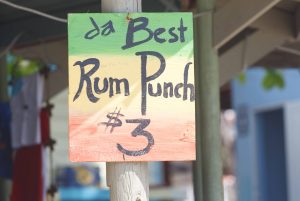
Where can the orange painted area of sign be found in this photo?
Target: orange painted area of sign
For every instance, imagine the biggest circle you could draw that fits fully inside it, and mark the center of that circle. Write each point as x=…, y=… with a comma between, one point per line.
x=131, y=87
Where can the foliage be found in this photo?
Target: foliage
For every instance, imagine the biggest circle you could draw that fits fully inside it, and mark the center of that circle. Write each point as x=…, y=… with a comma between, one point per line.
x=242, y=78
x=273, y=78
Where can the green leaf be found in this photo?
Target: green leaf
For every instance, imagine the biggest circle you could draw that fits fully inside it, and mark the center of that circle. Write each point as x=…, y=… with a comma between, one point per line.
x=242, y=78
x=272, y=79
x=268, y=82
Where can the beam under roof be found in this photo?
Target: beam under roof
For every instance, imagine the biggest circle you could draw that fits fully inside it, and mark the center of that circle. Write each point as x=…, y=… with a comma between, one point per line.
x=273, y=30
x=236, y=15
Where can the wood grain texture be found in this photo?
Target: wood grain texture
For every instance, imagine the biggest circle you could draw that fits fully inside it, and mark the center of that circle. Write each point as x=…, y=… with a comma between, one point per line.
x=128, y=181
x=121, y=6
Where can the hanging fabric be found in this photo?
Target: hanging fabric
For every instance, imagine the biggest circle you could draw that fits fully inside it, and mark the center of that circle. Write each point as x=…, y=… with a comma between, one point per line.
x=28, y=174
x=45, y=125
x=20, y=67
x=31, y=133
x=26, y=105
x=30, y=127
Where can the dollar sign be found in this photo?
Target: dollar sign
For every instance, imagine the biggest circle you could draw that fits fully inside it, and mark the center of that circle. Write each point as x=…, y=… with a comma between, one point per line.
x=113, y=120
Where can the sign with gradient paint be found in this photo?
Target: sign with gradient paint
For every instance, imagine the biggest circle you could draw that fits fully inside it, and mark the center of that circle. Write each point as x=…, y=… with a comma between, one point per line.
x=131, y=87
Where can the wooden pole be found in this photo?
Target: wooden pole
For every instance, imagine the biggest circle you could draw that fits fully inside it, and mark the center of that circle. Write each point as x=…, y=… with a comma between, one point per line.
x=128, y=181
x=209, y=99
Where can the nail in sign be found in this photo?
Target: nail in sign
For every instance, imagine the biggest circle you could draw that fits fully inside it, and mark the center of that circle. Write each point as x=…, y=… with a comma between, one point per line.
x=131, y=87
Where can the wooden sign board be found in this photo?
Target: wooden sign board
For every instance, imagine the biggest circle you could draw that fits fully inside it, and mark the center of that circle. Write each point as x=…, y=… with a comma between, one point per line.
x=131, y=87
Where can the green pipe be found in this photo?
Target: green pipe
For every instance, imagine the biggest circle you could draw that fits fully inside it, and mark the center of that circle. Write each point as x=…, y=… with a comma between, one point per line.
x=208, y=136
x=197, y=171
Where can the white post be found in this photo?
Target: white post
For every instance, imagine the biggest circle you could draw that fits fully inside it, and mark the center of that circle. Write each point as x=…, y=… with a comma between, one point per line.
x=121, y=6
x=128, y=181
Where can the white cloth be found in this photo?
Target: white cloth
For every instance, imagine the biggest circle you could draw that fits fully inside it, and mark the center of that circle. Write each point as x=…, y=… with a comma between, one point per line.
x=25, y=107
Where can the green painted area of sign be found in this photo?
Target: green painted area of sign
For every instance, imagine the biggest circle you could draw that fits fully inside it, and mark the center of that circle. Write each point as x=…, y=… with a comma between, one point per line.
x=105, y=33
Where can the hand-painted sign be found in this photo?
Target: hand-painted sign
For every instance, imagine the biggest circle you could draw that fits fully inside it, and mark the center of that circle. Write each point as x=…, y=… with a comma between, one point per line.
x=131, y=87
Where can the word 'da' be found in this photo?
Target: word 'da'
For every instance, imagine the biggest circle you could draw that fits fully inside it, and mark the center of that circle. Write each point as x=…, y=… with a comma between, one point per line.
x=113, y=85
x=103, y=30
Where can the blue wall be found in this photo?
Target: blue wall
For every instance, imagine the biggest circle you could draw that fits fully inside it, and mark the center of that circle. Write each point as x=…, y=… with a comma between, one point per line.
x=249, y=96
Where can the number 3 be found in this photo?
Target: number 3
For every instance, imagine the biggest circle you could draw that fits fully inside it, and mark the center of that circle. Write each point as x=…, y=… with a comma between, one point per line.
x=139, y=130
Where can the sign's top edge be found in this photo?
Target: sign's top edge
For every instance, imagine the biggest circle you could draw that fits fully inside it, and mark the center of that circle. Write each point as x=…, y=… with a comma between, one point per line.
x=122, y=13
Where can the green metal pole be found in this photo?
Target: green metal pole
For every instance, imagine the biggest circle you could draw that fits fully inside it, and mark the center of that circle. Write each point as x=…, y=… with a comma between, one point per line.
x=197, y=171
x=209, y=106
